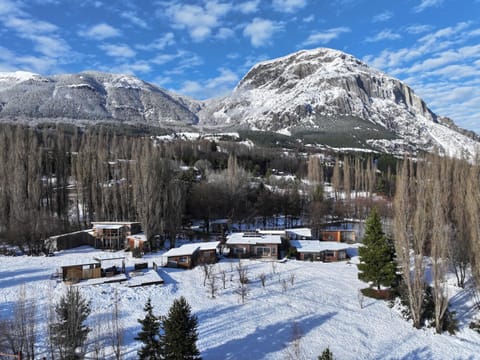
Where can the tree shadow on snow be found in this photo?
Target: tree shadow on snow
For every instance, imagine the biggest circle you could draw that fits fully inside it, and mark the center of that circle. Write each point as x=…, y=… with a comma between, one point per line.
x=265, y=340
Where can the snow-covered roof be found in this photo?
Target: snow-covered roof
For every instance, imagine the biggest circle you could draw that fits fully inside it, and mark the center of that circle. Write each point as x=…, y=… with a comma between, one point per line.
x=189, y=249
x=247, y=239
x=317, y=246
x=108, y=226
x=107, y=256
x=79, y=262
x=139, y=237
x=271, y=232
x=305, y=232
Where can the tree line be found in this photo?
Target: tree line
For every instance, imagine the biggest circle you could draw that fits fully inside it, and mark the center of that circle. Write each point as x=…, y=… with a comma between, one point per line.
x=60, y=179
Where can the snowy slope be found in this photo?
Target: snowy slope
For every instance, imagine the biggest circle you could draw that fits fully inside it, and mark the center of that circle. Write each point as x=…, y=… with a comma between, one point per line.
x=90, y=95
x=310, y=89
x=323, y=302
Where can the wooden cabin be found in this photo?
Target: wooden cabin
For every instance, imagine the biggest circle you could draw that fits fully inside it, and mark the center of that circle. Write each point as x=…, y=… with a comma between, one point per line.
x=113, y=235
x=314, y=250
x=348, y=236
x=246, y=245
x=81, y=271
x=190, y=255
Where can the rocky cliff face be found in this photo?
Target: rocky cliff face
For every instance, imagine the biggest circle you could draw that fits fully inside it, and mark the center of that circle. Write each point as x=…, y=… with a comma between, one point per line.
x=310, y=84
x=89, y=96
x=312, y=89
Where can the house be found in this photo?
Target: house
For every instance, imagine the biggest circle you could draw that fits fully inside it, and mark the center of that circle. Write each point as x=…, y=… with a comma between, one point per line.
x=190, y=255
x=298, y=233
x=315, y=250
x=137, y=241
x=255, y=244
x=74, y=272
x=113, y=235
x=348, y=236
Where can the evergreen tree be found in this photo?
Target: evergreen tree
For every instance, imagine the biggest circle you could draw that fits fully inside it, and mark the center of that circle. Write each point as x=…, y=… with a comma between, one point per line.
x=180, y=332
x=69, y=333
x=376, y=255
x=150, y=335
x=326, y=355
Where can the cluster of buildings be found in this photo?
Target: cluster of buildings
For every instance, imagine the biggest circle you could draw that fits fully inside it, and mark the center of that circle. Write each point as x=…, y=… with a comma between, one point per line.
x=260, y=244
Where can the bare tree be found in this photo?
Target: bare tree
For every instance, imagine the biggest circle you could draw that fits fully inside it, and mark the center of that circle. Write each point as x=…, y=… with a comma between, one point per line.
x=242, y=273
x=439, y=240
x=243, y=281
x=292, y=278
x=212, y=284
x=207, y=272
x=97, y=336
x=295, y=351
x=410, y=232
x=223, y=276
x=263, y=279
x=116, y=327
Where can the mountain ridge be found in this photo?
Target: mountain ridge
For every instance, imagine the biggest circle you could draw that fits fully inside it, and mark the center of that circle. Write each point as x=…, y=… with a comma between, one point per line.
x=324, y=91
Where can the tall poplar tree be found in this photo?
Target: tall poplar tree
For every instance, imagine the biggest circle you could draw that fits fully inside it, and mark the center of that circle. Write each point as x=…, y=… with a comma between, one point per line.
x=376, y=255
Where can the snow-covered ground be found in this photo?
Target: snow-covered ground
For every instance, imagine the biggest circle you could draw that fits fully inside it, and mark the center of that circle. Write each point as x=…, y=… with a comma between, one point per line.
x=323, y=302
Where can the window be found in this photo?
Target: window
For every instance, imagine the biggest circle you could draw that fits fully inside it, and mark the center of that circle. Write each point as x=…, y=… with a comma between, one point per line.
x=239, y=250
x=262, y=251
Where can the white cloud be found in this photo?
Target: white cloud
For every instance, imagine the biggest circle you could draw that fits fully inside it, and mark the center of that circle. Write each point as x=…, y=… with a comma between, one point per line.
x=100, y=32
x=309, y=18
x=8, y=7
x=130, y=68
x=324, y=37
x=260, y=31
x=384, y=16
x=248, y=7
x=43, y=34
x=418, y=29
x=213, y=87
x=184, y=60
x=134, y=19
x=425, y=4
x=289, y=6
x=386, y=34
x=199, y=21
x=118, y=51
x=225, y=33
x=50, y=46
x=160, y=43
x=29, y=26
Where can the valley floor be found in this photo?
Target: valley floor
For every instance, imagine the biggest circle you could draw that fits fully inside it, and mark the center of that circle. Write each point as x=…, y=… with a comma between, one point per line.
x=322, y=303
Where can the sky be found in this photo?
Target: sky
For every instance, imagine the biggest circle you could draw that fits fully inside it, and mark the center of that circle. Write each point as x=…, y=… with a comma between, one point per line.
x=203, y=48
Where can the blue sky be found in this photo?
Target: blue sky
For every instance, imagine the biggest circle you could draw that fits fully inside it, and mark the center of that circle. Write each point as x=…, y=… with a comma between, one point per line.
x=203, y=48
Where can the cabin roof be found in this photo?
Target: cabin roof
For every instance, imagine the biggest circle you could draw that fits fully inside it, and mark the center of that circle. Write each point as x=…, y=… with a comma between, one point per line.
x=314, y=246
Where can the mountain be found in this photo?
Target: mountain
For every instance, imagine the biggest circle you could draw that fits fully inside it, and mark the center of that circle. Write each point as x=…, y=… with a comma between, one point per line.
x=90, y=96
x=320, y=97
x=335, y=96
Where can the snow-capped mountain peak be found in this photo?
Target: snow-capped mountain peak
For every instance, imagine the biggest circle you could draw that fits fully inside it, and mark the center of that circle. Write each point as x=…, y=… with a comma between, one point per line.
x=321, y=90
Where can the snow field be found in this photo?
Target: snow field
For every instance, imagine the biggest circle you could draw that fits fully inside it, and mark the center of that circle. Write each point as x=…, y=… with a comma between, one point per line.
x=323, y=301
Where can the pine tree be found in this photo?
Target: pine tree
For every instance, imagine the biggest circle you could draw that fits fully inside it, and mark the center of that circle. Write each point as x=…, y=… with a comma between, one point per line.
x=376, y=255
x=150, y=335
x=326, y=355
x=180, y=333
x=69, y=333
